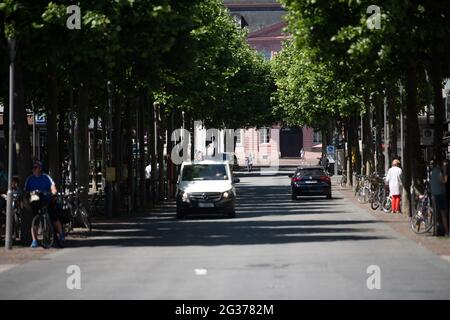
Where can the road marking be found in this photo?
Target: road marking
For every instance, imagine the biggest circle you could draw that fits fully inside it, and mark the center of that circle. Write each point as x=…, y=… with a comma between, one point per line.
x=4, y=267
x=201, y=272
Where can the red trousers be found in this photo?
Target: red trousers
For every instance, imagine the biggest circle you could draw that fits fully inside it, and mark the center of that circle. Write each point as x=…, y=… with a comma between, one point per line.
x=396, y=203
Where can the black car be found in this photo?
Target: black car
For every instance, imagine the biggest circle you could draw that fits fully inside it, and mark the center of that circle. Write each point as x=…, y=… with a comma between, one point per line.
x=310, y=181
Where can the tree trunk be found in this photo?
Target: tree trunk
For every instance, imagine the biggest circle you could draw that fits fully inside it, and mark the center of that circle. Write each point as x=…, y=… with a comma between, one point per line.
x=82, y=141
x=153, y=152
x=61, y=140
x=23, y=146
x=393, y=124
x=349, y=133
x=439, y=108
x=412, y=161
x=379, y=110
x=129, y=155
x=367, y=140
x=52, y=127
x=141, y=134
x=160, y=149
x=94, y=144
x=117, y=151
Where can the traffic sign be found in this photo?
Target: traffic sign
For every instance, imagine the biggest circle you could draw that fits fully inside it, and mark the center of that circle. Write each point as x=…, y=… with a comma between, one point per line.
x=330, y=150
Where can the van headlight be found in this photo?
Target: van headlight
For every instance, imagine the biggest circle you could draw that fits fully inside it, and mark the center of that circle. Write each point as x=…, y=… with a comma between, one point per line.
x=227, y=194
x=184, y=196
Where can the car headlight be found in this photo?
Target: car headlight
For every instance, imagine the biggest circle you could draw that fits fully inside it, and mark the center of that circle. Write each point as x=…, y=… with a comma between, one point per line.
x=184, y=196
x=227, y=194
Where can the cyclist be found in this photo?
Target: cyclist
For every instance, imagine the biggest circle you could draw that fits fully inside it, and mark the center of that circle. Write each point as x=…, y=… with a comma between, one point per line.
x=44, y=183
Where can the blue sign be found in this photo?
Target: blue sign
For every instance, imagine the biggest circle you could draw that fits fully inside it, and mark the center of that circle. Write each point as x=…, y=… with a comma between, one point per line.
x=330, y=149
x=40, y=118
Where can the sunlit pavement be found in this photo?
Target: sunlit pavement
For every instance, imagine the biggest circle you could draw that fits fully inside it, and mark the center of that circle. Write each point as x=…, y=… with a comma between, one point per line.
x=276, y=248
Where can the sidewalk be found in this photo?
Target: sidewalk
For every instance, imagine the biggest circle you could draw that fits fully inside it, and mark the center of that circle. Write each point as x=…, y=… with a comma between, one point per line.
x=400, y=224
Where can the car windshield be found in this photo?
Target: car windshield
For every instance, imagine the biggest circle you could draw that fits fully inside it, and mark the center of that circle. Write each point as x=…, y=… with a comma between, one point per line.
x=310, y=172
x=204, y=172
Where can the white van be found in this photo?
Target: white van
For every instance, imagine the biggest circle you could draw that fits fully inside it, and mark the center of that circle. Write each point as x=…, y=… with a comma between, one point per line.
x=206, y=187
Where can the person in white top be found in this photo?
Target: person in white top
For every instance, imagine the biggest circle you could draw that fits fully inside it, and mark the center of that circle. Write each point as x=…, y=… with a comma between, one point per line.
x=394, y=179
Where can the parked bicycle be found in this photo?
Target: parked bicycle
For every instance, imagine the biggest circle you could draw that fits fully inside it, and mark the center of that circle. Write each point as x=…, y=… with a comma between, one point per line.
x=364, y=190
x=78, y=214
x=343, y=181
x=422, y=220
x=378, y=196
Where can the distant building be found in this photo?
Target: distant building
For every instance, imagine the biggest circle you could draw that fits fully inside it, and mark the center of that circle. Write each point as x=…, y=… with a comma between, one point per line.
x=264, y=20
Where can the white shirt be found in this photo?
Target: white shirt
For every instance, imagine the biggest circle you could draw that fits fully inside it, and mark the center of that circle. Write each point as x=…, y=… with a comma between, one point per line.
x=394, y=179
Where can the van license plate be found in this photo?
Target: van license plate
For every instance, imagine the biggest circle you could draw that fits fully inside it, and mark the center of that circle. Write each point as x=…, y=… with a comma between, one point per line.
x=205, y=205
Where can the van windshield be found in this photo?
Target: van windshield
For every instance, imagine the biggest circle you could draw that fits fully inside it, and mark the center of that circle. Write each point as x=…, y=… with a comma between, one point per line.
x=204, y=172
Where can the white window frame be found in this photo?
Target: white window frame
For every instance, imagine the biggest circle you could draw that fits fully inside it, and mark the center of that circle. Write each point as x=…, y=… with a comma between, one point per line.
x=317, y=136
x=264, y=133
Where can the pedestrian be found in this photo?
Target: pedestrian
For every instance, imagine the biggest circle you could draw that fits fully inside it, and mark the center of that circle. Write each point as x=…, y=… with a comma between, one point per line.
x=438, y=181
x=302, y=153
x=148, y=177
x=394, y=180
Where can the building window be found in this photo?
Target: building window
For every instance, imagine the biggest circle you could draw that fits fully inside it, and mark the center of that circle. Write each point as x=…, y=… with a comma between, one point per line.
x=264, y=135
x=317, y=137
x=267, y=54
x=238, y=135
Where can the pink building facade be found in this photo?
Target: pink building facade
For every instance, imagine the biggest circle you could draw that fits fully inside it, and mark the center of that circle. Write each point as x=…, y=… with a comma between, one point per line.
x=264, y=19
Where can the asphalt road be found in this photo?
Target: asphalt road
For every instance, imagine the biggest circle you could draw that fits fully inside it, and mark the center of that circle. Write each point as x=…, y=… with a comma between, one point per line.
x=275, y=249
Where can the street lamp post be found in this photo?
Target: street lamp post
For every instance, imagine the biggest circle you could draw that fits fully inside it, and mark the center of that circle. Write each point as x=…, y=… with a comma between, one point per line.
x=9, y=211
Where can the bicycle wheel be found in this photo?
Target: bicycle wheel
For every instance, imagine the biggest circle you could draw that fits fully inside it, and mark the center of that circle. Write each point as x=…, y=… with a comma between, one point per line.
x=85, y=218
x=421, y=223
x=363, y=195
x=44, y=230
x=387, y=205
x=375, y=203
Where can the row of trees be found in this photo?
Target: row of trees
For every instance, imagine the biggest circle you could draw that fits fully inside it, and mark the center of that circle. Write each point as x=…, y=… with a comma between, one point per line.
x=133, y=72
x=345, y=61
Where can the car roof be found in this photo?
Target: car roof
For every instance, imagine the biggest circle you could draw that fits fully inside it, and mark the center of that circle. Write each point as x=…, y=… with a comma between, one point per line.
x=310, y=167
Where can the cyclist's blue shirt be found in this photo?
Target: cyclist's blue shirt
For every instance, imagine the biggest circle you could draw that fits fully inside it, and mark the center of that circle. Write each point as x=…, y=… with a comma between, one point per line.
x=42, y=183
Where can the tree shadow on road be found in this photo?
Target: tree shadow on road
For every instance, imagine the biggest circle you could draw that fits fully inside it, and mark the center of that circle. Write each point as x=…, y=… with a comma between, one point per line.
x=251, y=227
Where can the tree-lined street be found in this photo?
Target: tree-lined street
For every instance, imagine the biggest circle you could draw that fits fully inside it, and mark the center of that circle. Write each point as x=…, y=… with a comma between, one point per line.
x=145, y=113
x=276, y=248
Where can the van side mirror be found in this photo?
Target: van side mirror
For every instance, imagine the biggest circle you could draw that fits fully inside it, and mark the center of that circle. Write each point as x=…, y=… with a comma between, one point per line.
x=236, y=180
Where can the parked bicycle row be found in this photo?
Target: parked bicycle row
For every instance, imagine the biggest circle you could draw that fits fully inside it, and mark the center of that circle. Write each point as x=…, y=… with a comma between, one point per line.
x=383, y=192
x=55, y=214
